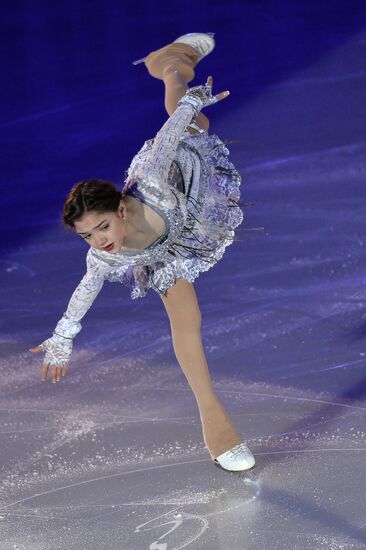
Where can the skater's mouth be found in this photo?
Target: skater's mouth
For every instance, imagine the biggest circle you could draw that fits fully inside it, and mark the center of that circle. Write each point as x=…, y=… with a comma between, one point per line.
x=108, y=248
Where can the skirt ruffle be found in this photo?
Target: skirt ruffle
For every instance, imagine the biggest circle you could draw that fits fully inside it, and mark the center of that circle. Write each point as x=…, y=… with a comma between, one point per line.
x=212, y=200
x=213, y=214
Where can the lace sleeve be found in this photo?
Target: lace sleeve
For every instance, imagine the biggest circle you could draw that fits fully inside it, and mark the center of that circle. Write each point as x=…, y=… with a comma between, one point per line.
x=152, y=169
x=82, y=298
x=58, y=348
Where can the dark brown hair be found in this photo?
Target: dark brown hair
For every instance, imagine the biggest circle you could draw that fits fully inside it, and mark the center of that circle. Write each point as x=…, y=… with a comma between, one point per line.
x=90, y=195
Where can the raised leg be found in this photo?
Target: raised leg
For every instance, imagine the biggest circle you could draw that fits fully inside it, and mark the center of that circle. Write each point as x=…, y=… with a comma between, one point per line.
x=174, y=64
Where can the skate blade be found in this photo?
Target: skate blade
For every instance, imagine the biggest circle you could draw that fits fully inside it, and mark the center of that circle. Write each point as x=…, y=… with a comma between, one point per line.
x=233, y=471
x=138, y=61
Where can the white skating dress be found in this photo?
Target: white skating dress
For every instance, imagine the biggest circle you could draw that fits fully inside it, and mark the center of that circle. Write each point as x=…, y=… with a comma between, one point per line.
x=189, y=181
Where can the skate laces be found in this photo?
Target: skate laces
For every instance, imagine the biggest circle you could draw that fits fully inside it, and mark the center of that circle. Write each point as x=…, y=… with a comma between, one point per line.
x=237, y=450
x=201, y=45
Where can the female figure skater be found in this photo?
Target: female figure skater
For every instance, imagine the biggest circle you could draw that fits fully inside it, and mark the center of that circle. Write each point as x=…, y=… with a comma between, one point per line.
x=173, y=219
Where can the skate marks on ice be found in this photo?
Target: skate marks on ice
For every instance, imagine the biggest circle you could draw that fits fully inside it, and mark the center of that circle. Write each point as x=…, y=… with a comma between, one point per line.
x=94, y=518
x=171, y=498
x=244, y=490
x=13, y=268
x=305, y=445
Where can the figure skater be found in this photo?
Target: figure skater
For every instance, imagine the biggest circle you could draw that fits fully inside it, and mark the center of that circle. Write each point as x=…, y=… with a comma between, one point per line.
x=173, y=219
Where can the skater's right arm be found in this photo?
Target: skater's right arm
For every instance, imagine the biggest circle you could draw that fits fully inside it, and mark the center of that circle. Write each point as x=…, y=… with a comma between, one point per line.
x=58, y=347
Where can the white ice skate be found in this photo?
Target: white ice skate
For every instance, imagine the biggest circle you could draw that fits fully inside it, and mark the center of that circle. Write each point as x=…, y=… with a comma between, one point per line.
x=236, y=459
x=202, y=42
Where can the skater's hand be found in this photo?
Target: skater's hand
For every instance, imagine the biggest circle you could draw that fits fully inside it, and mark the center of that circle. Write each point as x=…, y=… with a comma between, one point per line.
x=201, y=96
x=58, y=351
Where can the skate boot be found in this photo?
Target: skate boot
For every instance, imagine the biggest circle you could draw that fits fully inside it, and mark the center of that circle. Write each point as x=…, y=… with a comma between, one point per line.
x=202, y=43
x=236, y=459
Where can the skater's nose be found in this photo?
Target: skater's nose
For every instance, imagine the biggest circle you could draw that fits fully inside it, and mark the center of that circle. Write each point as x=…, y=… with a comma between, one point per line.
x=101, y=240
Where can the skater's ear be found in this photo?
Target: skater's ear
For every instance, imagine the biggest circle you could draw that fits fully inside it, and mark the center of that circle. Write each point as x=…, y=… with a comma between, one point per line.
x=121, y=212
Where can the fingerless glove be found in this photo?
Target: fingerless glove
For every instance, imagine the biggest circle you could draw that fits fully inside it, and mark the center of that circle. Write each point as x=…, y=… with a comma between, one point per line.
x=58, y=348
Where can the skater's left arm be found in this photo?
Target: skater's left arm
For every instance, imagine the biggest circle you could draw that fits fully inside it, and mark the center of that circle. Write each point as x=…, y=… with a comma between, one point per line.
x=155, y=168
x=166, y=143
x=151, y=171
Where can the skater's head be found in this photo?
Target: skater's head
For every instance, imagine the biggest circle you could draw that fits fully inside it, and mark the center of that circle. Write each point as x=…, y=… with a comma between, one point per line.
x=96, y=210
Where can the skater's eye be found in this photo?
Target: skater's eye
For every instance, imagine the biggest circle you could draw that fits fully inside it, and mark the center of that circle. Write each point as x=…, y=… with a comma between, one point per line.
x=104, y=227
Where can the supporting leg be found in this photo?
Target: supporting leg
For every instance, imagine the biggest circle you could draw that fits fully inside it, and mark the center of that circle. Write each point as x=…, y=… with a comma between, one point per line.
x=185, y=320
x=174, y=64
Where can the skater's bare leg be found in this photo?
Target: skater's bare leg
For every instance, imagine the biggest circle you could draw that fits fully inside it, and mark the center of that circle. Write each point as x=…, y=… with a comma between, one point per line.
x=185, y=321
x=174, y=64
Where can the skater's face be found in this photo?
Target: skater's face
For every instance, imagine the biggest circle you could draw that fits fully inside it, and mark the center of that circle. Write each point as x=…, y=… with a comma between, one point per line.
x=103, y=230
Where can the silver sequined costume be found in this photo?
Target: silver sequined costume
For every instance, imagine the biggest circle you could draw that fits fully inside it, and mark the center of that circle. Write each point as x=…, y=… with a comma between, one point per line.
x=190, y=182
